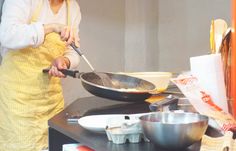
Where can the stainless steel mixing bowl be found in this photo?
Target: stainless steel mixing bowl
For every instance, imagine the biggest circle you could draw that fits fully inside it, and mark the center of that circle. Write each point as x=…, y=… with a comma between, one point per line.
x=174, y=130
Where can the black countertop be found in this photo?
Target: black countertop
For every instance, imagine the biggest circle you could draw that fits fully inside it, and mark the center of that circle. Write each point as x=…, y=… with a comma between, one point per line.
x=97, y=141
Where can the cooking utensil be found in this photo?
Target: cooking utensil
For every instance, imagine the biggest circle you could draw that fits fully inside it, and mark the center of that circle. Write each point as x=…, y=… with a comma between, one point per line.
x=122, y=88
x=77, y=49
x=172, y=103
x=174, y=130
x=110, y=85
x=113, y=86
x=185, y=105
x=158, y=106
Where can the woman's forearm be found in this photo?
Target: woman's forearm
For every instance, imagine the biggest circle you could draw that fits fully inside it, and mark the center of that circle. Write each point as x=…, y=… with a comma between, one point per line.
x=15, y=30
x=18, y=36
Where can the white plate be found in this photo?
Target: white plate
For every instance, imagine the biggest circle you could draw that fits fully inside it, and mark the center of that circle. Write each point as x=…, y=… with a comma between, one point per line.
x=98, y=123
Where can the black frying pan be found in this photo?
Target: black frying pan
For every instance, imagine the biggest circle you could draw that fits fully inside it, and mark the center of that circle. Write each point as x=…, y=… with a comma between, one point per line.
x=113, y=86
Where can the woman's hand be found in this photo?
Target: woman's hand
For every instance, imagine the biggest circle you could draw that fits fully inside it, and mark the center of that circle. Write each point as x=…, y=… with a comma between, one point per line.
x=57, y=64
x=67, y=33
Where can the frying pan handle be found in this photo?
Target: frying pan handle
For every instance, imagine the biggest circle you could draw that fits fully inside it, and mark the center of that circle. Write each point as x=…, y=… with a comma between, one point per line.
x=77, y=49
x=67, y=72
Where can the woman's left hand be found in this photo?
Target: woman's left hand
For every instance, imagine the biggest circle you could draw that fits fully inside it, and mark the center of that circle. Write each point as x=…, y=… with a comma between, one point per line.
x=67, y=33
x=59, y=63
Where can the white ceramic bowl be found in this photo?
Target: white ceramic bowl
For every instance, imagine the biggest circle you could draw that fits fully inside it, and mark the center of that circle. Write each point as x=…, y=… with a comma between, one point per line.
x=160, y=79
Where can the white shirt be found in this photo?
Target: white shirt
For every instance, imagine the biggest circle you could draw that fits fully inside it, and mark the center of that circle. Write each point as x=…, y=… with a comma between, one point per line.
x=16, y=32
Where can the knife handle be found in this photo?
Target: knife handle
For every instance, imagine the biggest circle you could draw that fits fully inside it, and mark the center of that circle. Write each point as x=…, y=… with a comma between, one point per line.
x=67, y=72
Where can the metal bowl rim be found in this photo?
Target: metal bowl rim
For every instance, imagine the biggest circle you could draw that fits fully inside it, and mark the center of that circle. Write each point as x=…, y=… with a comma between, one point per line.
x=203, y=118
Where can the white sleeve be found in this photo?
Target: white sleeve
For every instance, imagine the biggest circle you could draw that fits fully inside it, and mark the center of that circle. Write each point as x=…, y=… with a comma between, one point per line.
x=73, y=57
x=75, y=21
x=15, y=30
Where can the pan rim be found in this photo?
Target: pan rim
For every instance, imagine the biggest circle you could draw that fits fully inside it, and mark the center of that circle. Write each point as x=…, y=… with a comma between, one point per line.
x=120, y=90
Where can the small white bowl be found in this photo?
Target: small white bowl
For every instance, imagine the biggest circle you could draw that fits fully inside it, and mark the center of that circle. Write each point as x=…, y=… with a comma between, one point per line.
x=160, y=79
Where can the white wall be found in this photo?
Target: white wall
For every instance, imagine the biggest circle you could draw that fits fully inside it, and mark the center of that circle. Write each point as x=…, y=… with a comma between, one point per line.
x=183, y=30
x=141, y=22
x=161, y=35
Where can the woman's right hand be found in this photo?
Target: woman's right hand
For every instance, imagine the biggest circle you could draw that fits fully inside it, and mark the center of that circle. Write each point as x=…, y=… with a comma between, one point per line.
x=57, y=64
x=67, y=33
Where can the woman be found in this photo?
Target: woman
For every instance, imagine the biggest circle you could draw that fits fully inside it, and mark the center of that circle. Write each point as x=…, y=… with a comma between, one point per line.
x=34, y=34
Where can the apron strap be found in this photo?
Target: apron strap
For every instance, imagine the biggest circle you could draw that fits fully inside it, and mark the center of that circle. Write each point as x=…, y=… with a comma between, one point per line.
x=68, y=13
x=36, y=12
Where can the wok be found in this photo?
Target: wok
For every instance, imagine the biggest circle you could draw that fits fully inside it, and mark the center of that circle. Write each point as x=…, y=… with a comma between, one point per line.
x=113, y=86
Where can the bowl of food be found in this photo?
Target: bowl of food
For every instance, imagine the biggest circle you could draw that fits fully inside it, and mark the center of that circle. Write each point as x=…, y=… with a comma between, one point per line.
x=159, y=79
x=172, y=130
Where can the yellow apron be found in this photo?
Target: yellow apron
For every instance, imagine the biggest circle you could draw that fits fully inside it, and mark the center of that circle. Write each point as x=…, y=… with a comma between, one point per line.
x=28, y=98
